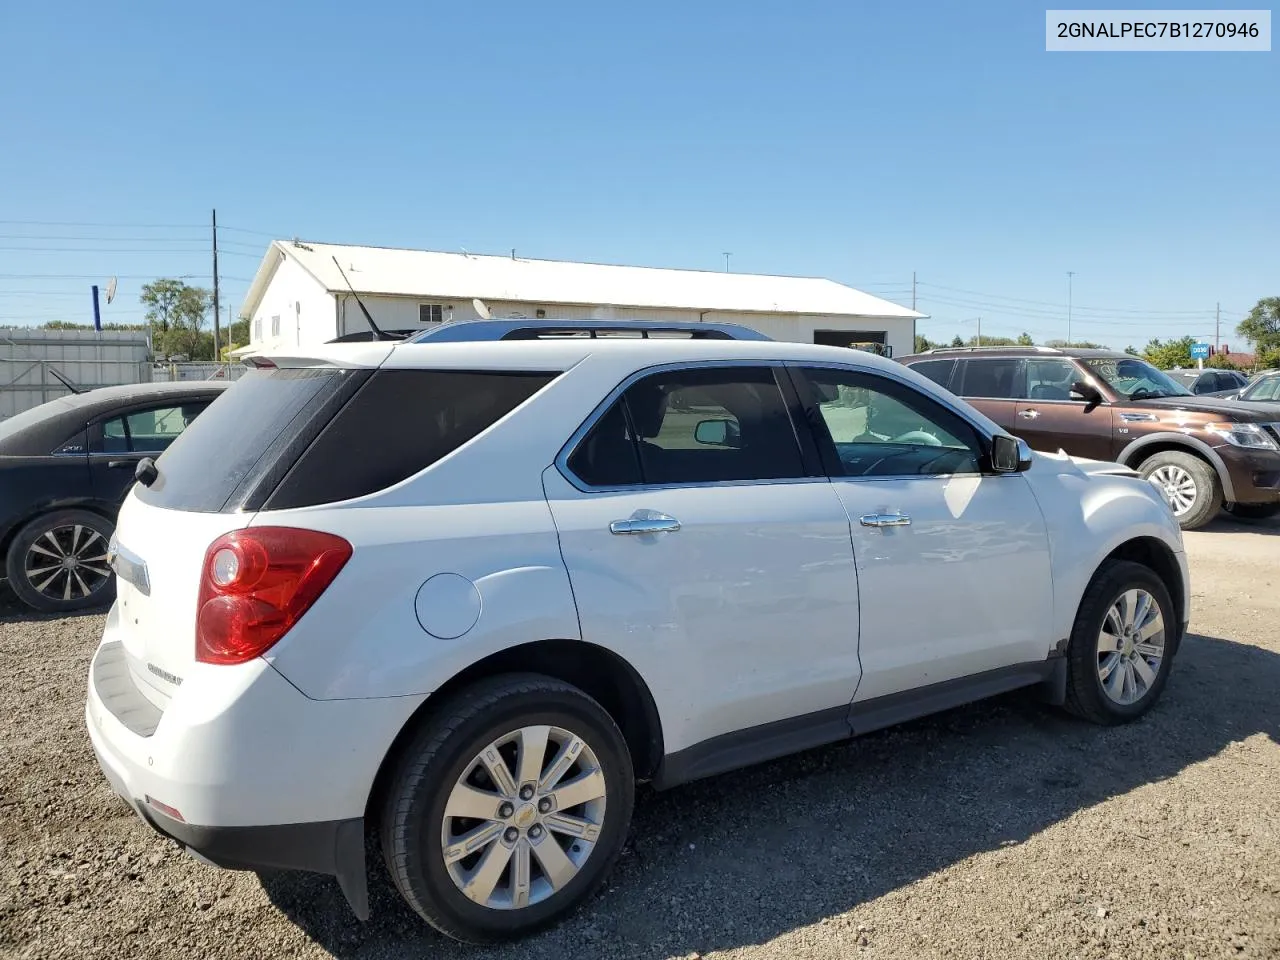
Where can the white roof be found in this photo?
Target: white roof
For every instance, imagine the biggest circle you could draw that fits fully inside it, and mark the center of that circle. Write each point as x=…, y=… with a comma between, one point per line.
x=381, y=271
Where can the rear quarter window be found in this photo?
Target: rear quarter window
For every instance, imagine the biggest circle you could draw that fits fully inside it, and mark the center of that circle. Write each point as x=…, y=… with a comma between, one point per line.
x=939, y=371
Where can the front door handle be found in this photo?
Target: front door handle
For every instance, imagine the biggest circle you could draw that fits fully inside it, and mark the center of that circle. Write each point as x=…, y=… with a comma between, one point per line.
x=1028, y=414
x=885, y=520
x=654, y=523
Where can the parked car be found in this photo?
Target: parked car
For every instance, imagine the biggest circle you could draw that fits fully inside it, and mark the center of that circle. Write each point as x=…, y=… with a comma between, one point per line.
x=1210, y=383
x=65, y=466
x=1262, y=389
x=466, y=596
x=1204, y=452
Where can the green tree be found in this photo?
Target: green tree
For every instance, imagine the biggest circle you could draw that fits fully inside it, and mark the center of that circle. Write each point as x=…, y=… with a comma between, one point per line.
x=1166, y=355
x=1262, y=325
x=1268, y=359
x=1220, y=361
x=176, y=313
x=1024, y=340
x=1132, y=351
x=1085, y=344
x=989, y=341
x=923, y=343
x=957, y=341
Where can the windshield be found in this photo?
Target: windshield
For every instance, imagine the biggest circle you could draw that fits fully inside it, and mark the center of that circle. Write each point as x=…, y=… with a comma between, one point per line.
x=1135, y=379
x=1267, y=388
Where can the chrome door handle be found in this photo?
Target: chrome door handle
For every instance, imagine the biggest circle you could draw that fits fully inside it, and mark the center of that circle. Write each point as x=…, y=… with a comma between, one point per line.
x=885, y=520
x=658, y=523
x=1028, y=414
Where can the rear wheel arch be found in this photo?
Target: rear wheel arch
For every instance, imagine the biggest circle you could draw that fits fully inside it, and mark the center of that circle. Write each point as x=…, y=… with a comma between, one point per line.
x=600, y=673
x=104, y=510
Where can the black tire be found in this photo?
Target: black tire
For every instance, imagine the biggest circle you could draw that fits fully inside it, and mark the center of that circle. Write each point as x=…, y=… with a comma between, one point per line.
x=413, y=806
x=1208, y=488
x=61, y=592
x=1253, y=511
x=1086, y=697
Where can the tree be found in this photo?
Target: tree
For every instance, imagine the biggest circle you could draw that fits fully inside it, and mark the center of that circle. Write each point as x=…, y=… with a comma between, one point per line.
x=1132, y=351
x=1086, y=344
x=990, y=341
x=1220, y=361
x=1174, y=353
x=1262, y=325
x=1268, y=359
x=923, y=343
x=957, y=341
x=1024, y=340
x=176, y=313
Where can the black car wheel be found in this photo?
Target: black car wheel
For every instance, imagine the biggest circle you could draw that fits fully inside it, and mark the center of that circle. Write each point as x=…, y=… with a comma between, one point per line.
x=58, y=562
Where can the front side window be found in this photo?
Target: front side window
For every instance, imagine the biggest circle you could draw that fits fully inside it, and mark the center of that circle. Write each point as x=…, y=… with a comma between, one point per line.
x=693, y=426
x=148, y=431
x=994, y=378
x=1135, y=379
x=1050, y=379
x=880, y=428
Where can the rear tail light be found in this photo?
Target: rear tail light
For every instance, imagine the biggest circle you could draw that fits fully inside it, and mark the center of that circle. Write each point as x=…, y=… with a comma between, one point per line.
x=256, y=584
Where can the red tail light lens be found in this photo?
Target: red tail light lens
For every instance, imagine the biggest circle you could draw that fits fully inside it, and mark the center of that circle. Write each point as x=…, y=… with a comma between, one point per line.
x=257, y=583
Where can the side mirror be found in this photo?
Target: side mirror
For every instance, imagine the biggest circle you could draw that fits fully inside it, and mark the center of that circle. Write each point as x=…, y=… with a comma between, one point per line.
x=717, y=433
x=1009, y=454
x=1086, y=392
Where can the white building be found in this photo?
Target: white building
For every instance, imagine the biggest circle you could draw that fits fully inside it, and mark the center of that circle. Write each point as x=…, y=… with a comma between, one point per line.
x=299, y=296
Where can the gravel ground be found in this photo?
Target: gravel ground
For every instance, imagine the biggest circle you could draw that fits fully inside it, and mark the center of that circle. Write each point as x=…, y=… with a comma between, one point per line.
x=1000, y=830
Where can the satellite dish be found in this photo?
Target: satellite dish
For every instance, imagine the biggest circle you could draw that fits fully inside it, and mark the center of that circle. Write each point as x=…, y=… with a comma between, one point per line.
x=111, y=289
x=481, y=309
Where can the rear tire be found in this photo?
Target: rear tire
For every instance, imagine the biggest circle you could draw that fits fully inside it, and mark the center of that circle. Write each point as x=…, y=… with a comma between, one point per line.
x=57, y=563
x=1192, y=483
x=1253, y=511
x=1122, y=644
x=550, y=826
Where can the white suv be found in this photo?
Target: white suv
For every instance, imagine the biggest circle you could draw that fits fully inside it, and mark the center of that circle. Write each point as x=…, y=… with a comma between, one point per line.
x=464, y=596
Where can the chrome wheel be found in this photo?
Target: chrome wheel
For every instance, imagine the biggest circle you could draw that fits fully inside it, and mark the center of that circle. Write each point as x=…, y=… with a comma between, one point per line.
x=523, y=818
x=1177, y=485
x=67, y=562
x=1131, y=646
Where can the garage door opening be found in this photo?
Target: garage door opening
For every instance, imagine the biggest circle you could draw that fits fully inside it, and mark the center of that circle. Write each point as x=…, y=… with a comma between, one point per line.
x=870, y=340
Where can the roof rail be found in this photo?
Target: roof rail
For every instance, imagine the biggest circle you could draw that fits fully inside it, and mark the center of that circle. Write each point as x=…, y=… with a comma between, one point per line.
x=519, y=329
x=1007, y=346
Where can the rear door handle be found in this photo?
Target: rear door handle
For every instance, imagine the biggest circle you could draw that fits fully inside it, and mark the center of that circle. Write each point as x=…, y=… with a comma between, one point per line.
x=655, y=523
x=885, y=520
x=1028, y=414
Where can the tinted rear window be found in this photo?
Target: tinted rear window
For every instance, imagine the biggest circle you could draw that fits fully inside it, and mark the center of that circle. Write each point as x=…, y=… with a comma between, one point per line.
x=230, y=446
x=1000, y=378
x=939, y=371
x=397, y=424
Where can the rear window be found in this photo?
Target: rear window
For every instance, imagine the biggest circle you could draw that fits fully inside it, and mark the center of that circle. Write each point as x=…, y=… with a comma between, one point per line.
x=939, y=371
x=230, y=448
x=399, y=423
x=997, y=378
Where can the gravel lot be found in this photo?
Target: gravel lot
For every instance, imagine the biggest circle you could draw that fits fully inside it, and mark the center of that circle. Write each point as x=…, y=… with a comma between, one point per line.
x=1000, y=830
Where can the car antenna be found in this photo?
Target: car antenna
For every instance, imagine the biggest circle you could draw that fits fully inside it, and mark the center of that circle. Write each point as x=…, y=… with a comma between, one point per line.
x=372, y=326
x=66, y=382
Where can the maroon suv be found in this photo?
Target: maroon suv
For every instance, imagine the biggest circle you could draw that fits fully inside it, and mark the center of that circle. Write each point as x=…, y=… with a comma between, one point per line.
x=1205, y=452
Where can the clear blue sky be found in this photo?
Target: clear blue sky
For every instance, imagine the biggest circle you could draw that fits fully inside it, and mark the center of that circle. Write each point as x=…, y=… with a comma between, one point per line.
x=857, y=141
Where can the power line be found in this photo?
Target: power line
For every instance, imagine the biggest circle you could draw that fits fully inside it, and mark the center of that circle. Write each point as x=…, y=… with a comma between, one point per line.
x=1031, y=313
x=1050, y=303
x=83, y=223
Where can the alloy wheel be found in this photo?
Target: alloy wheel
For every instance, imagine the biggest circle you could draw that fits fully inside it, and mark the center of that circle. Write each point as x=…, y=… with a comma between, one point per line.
x=1131, y=646
x=524, y=817
x=67, y=562
x=1178, y=486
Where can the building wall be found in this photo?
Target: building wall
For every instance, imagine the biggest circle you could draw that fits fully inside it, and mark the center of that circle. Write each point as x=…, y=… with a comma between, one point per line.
x=401, y=313
x=304, y=308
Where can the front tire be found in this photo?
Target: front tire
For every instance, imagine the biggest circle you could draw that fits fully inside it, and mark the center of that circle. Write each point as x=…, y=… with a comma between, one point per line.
x=1122, y=644
x=1190, y=484
x=57, y=563
x=508, y=808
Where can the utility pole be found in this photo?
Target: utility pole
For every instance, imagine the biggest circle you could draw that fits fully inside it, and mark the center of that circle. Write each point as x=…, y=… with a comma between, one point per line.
x=726, y=261
x=1217, y=327
x=1070, y=274
x=979, y=331
x=217, y=311
x=913, y=289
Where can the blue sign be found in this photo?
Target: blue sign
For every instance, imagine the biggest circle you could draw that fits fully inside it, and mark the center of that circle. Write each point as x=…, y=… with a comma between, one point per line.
x=1199, y=351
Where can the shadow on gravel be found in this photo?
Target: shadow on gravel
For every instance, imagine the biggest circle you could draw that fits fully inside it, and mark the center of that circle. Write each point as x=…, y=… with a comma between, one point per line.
x=1225, y=523
x=747, y=856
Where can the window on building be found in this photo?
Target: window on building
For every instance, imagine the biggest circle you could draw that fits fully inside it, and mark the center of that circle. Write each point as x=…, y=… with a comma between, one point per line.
x=257, y=329
x=430, y=313
x=275, y=325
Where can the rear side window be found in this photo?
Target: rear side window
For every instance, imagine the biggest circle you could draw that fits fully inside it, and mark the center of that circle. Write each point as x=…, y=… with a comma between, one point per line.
x=939, y=371
x=149, y=431
x=996, y=378
x=226, y=450
x=690, y=427
x=398, y=423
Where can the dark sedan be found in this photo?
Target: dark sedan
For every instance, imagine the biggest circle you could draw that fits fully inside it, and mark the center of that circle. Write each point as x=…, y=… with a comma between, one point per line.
x=65, y=467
